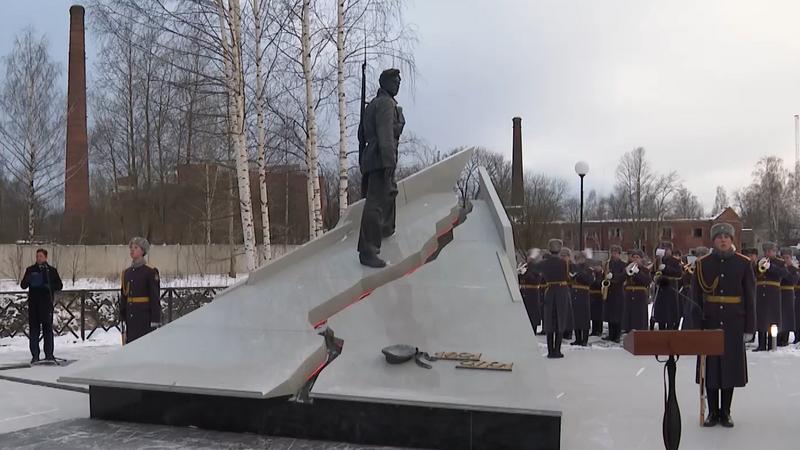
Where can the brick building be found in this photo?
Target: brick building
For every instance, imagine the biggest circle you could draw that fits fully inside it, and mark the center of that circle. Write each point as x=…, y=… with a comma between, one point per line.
x=685, y=234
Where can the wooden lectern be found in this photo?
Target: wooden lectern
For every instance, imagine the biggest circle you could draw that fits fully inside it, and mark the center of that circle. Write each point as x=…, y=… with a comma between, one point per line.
x=672, y=343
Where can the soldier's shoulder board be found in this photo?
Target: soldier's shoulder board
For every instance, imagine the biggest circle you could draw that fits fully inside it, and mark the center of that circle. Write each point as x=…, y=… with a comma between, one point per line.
x=703, y=257
x=743, y=256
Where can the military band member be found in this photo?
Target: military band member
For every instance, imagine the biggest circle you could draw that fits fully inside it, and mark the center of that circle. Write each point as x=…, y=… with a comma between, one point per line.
x=788, y=283
x=596, y=299
x=529, y=287
x=614, y=304
x=581, y=310
x=752, y=254
x=769, y=273
x=666, y=309
x=140, y=302
x=637, y=293
x=566, y=255
x=797, y=310
x=724, y=295
x=555, y=275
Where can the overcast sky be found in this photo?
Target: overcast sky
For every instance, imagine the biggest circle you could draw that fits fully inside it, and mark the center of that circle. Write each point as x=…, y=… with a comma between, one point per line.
x=707, y=87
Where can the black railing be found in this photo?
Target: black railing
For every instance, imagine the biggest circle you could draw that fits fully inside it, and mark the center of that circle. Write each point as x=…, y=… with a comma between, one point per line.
x=82, y=312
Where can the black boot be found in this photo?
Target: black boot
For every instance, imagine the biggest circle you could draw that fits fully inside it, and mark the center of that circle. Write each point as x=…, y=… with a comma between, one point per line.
x=557, y=346
x=578, y=338
x=713, y=407
x=371, y=260
x=762, y=341
x=585, y=338
x=567, y=334
x=796, y=336
x=617, y=333
x=725, y=411
x=550, y=340
x=597, y=328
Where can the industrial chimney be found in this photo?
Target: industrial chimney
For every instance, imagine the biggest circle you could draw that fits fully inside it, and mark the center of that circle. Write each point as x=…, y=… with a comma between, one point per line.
x=76, y=175
x=517, y=186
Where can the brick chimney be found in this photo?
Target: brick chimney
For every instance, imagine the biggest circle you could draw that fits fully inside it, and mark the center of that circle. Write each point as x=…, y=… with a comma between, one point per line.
x=517, y=185
x=76, y=175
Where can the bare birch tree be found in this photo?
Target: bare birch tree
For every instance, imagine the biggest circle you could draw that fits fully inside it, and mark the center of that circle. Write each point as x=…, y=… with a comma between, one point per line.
x=31, y=119
x=261, y=133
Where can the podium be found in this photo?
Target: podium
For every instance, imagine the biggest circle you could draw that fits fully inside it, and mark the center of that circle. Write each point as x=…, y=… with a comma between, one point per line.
x=672, y=344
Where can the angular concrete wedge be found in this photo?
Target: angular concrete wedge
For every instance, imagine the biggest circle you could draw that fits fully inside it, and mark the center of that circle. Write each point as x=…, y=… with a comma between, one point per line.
x=258, y=339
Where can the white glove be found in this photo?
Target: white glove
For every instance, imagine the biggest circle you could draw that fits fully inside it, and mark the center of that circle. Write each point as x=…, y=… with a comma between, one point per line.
x=609, y=276
x=748, y=337
x=662, y=267
x=522, y=269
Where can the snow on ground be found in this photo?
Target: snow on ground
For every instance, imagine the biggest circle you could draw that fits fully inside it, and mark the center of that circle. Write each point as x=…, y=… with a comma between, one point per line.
x=99, y=338
x=214, y=280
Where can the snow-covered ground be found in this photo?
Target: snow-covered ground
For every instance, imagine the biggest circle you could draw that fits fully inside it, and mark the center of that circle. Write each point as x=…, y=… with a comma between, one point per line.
x=101, y=283
x=610, y=399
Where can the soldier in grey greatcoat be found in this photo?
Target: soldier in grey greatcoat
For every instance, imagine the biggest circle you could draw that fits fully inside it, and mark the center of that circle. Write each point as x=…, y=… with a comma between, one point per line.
x=382, y=126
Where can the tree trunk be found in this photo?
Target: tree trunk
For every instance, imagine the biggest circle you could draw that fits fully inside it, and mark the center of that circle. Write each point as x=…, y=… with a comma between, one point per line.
x=266, y=250
x=236, y=121
x=311, y=124
x=342, y=109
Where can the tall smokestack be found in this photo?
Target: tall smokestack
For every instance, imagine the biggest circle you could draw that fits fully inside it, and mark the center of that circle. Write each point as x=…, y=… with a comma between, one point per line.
x=76, y=175
x=517, y=186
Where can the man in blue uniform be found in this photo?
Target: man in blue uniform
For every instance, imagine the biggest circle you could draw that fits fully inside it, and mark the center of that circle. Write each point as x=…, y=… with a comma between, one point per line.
x=42, y=281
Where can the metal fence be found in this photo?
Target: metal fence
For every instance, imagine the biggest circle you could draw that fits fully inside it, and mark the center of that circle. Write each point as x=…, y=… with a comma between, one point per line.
x=82, y=312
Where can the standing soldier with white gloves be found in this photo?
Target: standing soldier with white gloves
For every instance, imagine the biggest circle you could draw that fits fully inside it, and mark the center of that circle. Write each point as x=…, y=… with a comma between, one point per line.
x=614, y=304
x=723, y=296
x=140, y=302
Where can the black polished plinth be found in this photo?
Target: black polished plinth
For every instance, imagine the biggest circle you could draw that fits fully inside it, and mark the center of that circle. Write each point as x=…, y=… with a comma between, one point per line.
x=333, y=420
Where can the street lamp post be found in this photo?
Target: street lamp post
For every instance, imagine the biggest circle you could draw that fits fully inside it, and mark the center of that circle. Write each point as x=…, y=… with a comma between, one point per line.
x=581, y=168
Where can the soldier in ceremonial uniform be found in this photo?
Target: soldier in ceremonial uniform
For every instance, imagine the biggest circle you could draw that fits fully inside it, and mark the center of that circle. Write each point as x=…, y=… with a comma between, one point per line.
x=724, y=297
x=752, y=254
x=529, y=287
x=637, y=293
x=769, y=272
x=614, y=304
x=669, y=269
x=566, y=255
x=581, y=311
x=140, y=302
x=596, y=298
x=555, y=274
x=788, y=283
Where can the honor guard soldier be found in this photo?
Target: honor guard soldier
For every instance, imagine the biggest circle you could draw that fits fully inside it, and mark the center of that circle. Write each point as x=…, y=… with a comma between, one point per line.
x=724, y=298
x=637, y=293
x=583, y=277
x=788, y=283
x=529, y=287
x=555, y=274
x=566, y=255
x=669, y=272
x=797, y=309
x=140, y=302
x=752, y=254
x=769, y=272
x=615, y=300
x=596, y=298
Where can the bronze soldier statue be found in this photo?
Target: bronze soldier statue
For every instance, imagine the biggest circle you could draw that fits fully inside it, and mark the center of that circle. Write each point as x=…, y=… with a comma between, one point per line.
x=382, y=126
x=140, y=302
x=769, y=272
x=637, y=292
x=614, y=304
x=788, y=283
x=669, y=271
x=723, y=297
x=555, y=274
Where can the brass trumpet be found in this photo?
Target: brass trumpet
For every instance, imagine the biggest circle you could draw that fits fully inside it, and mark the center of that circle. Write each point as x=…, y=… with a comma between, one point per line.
x=689, y=268
x=632, y=269
x=763, y=265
